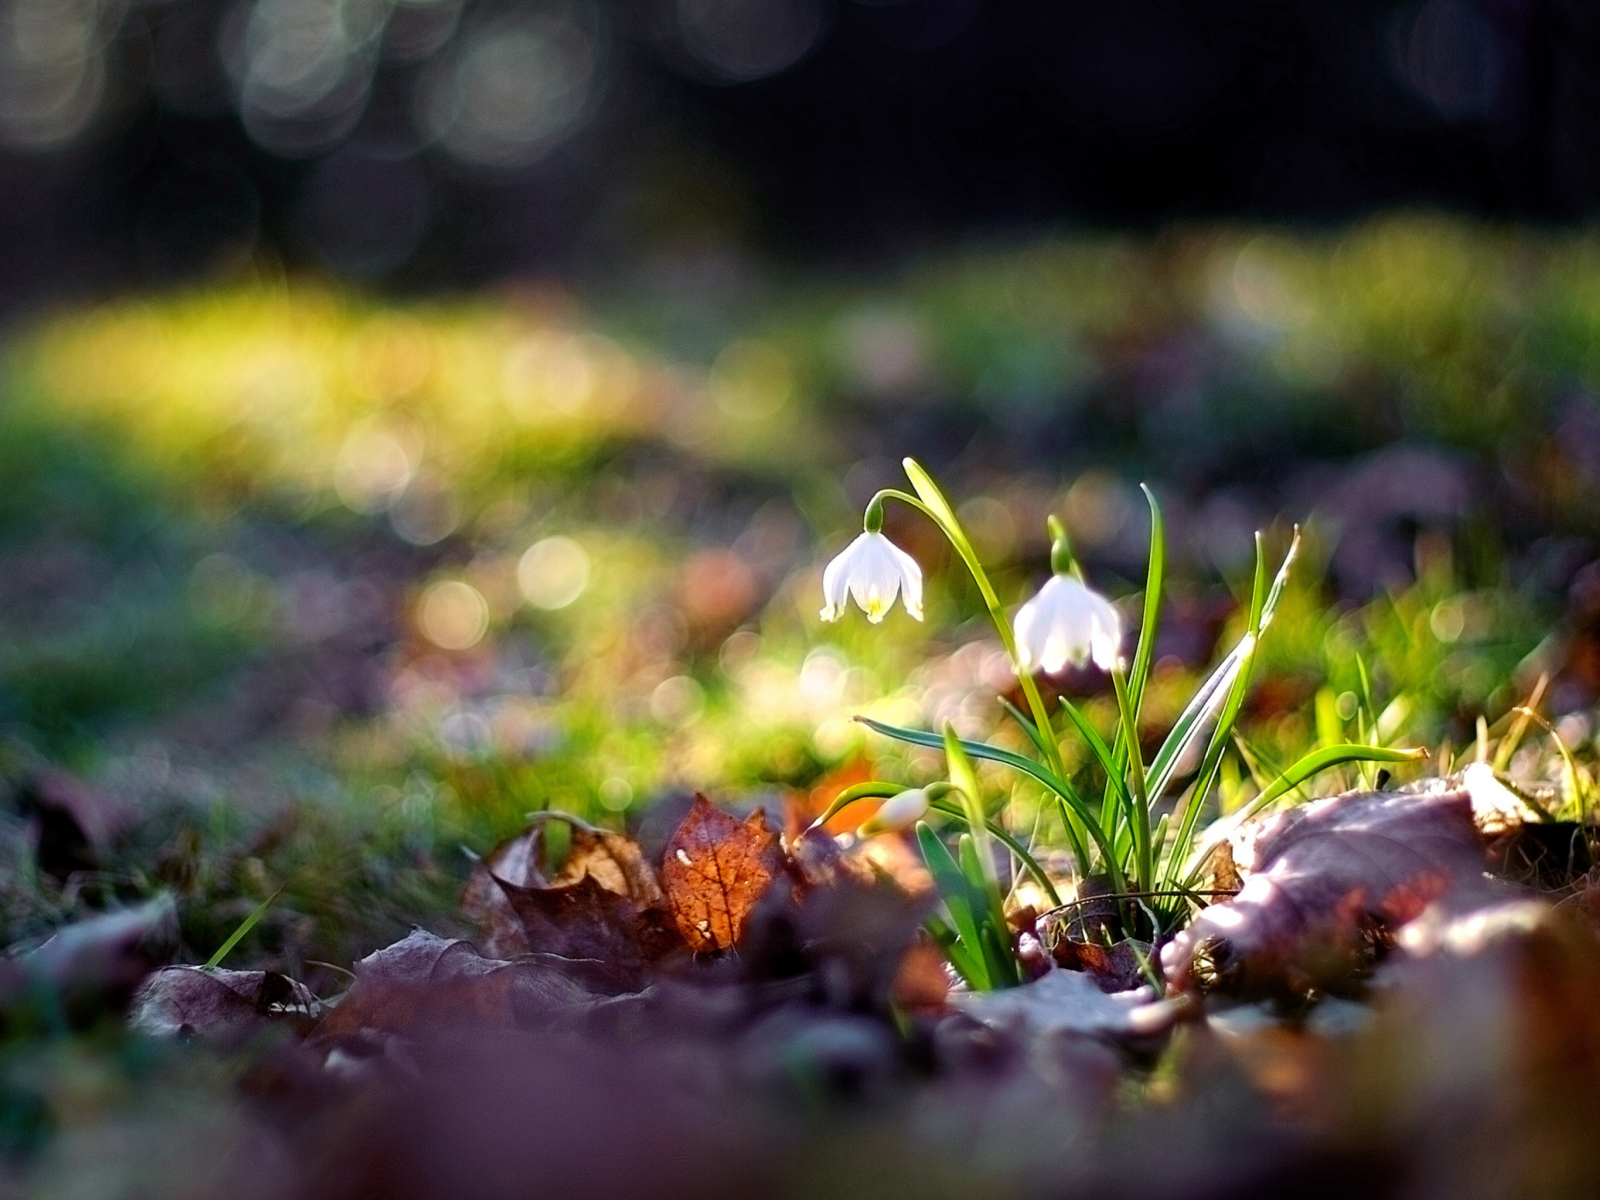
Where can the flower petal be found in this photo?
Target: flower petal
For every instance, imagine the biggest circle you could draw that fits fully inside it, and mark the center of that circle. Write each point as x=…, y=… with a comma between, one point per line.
x=1065, y=623
x=836, y=579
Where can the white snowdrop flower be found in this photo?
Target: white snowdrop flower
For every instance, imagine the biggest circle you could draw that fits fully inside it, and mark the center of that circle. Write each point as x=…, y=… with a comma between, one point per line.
x=1067, y=623
x=897, y=813
x=873, y=570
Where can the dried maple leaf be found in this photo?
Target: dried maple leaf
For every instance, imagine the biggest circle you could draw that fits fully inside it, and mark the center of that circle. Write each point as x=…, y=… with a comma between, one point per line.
x=1326, y=887
x=715, y=870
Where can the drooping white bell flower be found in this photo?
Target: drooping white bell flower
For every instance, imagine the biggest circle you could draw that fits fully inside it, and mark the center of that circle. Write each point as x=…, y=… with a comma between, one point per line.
x=873, y=570
x=897, y=813
x=1067, y=623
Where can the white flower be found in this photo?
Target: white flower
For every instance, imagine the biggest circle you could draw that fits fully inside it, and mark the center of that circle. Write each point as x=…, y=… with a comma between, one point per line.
x=1066, y=622
x=873, y=570
x=898, y=812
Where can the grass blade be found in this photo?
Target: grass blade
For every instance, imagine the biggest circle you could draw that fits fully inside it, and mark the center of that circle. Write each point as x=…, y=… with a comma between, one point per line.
x=1028, y=727
x=238, y=934
x=1154, y=583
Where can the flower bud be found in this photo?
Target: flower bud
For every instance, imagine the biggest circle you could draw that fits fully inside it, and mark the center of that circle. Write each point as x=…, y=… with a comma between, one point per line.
x=897, y=813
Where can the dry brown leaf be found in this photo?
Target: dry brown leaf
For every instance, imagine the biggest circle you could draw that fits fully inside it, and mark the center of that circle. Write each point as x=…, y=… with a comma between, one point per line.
x=425, y=983
x=820, y=863
x=1326, y=887
x=603, y=936
x=483, y=900
x=179, y=1000
x=612, y=860
x=715, y=870
x=921, y=980
x=95, y=964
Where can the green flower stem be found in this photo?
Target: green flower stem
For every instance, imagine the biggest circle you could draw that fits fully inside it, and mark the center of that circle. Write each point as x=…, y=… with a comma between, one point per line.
x=1144, y=870
x=958, y=541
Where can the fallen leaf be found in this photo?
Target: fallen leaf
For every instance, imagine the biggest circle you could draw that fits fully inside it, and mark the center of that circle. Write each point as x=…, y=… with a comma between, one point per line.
x=1059, y=1002
x=180, y=1000
x=1114, y=968
x=820, y=862
x=483, y=900
x=425, y=983
x=614, y=861
x=600, y=934
x=921, y=980
x=1327, y=886
x=96, y=964
x=714, y=872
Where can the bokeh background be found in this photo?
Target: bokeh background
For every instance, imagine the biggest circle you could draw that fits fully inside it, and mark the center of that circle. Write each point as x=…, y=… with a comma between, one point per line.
x=418, y=412
x=661, y=144
x=415, y=414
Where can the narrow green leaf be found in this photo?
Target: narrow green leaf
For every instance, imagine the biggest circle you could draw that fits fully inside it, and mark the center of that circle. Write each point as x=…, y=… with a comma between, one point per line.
x=238, y=934
x=1102, y=753
x=1057, y=786
x=1002, y=960
x=952, y=887
x=1155, y=580
x=965, y=779
x=1263, y=605
x=966, y=964
x=1191, y=723
x=978, y=866
x=1029, y=863
x=1028, y=727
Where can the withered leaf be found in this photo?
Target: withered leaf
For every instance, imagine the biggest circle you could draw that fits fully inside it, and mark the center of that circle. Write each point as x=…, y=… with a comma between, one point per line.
x=921, y=981
x=819, y=862
x=604, y=936
x=425, y=982
x=179, y=1000
x=483, y=901
x=715, y=870
x=614, y=861
x=95, y=964
x=1326, y=887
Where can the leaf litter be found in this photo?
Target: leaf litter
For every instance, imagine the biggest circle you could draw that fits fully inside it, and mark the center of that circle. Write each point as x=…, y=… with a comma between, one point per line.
x=742, y=1016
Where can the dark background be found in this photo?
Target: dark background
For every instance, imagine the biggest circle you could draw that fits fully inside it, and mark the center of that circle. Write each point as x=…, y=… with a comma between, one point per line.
x=425, y=145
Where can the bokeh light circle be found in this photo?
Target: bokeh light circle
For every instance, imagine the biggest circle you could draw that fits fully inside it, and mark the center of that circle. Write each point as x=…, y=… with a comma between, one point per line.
x=741, y=40
x=553, y=573
x=453, y=615
x=52, y=70
x=512, y=91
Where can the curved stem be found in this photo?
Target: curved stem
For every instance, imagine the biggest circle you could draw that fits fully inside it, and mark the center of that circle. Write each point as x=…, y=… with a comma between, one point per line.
x=963, y=548
x=872, y=790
